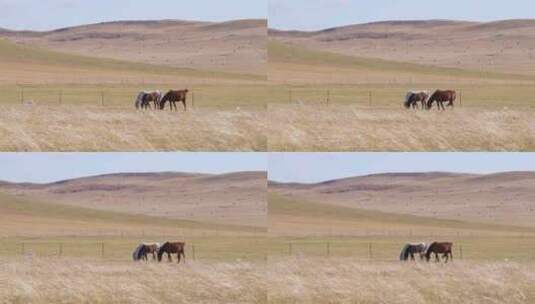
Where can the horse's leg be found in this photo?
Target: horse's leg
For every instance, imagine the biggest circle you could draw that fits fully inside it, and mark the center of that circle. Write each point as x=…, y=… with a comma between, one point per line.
x=178, y=257
x=169, y=257
x=412, y=256
x=437, y=259
x=184, y=103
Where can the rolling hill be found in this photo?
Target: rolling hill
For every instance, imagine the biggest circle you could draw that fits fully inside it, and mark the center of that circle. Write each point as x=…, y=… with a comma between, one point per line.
x=496, y=199
x=236, y=199
x=501, y=47
x=233, y=47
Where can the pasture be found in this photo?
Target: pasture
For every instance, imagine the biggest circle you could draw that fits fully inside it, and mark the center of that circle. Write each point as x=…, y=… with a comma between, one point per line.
x=325, y=101
x=103, y=118
x=53, y=101
x=345, y=280
x=372, y=118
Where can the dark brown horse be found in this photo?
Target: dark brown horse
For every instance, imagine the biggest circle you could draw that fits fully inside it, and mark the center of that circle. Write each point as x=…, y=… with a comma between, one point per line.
x=413, y=97
x=440, y=97
x=172, y=247
x=437, y=248
x=174, y=96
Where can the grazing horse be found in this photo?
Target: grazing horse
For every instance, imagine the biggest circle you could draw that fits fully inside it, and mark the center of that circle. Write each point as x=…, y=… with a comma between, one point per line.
x=444, y=248
x=410, y=250
x=413, y=97
x=144, y=99
x=440, y=97
x=172, y=247
x=173, y=96
x=143, y=249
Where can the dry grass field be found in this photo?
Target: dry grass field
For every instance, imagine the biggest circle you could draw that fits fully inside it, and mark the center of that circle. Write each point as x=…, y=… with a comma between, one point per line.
x=364, y=71
x=315, y=280
x=299, y=127
x=62, y=94
x=94, y=128
x=42, y=280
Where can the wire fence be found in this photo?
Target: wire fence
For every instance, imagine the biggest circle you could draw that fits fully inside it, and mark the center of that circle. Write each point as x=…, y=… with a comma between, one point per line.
x=383, y=250
x=121, y=251
x=253, y=97
x=389, y=97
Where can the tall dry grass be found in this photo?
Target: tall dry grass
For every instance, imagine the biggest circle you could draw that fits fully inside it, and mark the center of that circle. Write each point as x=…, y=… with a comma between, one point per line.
x=314, y=280
x=34, y=280
x=85, y=128
x=303, y=127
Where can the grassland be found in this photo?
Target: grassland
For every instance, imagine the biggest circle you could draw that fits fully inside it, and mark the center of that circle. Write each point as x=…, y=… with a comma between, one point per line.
x=314, y=280
x=33, y=280
x=54, y=101
x=365, y=113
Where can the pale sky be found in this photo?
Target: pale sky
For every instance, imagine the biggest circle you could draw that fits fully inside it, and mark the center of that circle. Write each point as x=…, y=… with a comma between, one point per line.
x=51, y=167
x=318, y=167
x=53, y=14
x=321, y=14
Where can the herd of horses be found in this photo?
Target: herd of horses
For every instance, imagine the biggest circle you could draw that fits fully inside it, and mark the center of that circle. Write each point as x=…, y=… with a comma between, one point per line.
x=427, y=250
x=426, y=100
x=145, y=98
x=143, y=250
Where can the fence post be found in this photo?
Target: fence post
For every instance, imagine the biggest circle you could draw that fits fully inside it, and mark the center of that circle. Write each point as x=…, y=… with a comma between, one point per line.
x=102, y=250
x=328, y=249
x=60, y=96
x=60, y=249
x=102, y=98
x=328, y=96
x=290, y=95
x=370, y=98
x=290, y=248
x=370, y=251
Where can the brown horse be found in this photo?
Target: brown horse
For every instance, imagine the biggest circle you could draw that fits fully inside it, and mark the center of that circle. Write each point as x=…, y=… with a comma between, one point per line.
x=413, y=97
x=440, y=97
x=173, y=96
x=444, y=248
x=172, y=247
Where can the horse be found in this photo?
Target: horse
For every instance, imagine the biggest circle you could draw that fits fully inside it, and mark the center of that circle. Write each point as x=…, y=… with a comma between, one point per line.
x=173, y=96
x=413, y=97
x=144, y=99
x=143, y=249
x=444, y=248
x=440, y=97
x=172, y=247
x=411, y=249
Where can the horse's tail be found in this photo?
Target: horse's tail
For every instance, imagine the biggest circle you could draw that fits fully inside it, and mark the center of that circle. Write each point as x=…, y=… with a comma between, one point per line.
x=139, y=99
x=404, y=255
x=135, y=254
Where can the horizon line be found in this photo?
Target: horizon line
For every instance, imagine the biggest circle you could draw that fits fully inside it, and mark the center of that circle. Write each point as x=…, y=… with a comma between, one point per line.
x=397, y=20
x=399, y=173
x=127, y=20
